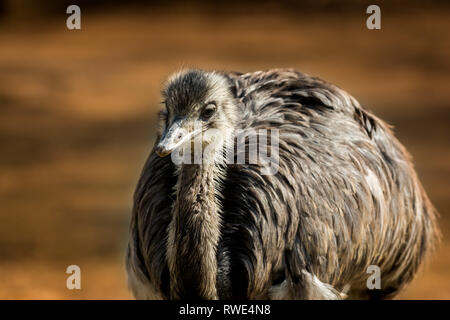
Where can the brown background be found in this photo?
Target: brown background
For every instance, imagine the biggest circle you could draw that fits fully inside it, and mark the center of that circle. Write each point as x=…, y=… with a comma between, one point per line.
x=77, y=113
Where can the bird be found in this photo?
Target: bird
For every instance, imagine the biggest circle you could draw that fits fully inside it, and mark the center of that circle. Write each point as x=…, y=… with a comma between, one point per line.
x=344, y=197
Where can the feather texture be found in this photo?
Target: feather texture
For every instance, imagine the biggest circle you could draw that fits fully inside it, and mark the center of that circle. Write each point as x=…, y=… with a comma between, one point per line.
x=345, y=197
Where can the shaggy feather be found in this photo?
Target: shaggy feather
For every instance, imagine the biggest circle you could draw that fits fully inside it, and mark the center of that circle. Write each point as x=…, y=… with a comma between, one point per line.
x=345, y=196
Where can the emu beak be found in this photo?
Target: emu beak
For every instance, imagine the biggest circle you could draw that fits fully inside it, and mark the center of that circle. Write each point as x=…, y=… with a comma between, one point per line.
x=173, y=137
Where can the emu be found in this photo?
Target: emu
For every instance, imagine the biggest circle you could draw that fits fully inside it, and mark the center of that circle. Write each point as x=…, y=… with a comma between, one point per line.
x=345, y=196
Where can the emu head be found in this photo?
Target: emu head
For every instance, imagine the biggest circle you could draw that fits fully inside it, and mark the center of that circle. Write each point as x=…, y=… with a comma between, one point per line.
x=199, y=107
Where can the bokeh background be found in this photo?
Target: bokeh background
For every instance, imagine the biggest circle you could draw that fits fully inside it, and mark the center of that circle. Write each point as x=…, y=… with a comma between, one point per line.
x=77, y=113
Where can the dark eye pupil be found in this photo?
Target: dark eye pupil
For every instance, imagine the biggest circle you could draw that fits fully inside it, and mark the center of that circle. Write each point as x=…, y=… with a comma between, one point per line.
x=208, y=112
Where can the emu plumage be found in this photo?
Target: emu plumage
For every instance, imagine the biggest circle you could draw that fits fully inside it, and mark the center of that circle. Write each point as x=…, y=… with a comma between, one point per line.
x=345, y=197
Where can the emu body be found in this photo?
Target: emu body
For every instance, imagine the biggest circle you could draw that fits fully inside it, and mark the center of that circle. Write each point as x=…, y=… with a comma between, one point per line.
x=345, y=197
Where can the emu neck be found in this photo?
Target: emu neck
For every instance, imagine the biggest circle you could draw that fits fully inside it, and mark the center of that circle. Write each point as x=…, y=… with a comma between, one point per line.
x=194, y=233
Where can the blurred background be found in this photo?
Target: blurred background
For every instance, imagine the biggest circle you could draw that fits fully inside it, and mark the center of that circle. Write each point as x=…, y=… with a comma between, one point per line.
x=77, y=113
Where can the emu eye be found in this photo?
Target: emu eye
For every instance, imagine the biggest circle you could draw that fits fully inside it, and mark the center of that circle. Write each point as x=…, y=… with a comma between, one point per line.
x=208, y=111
